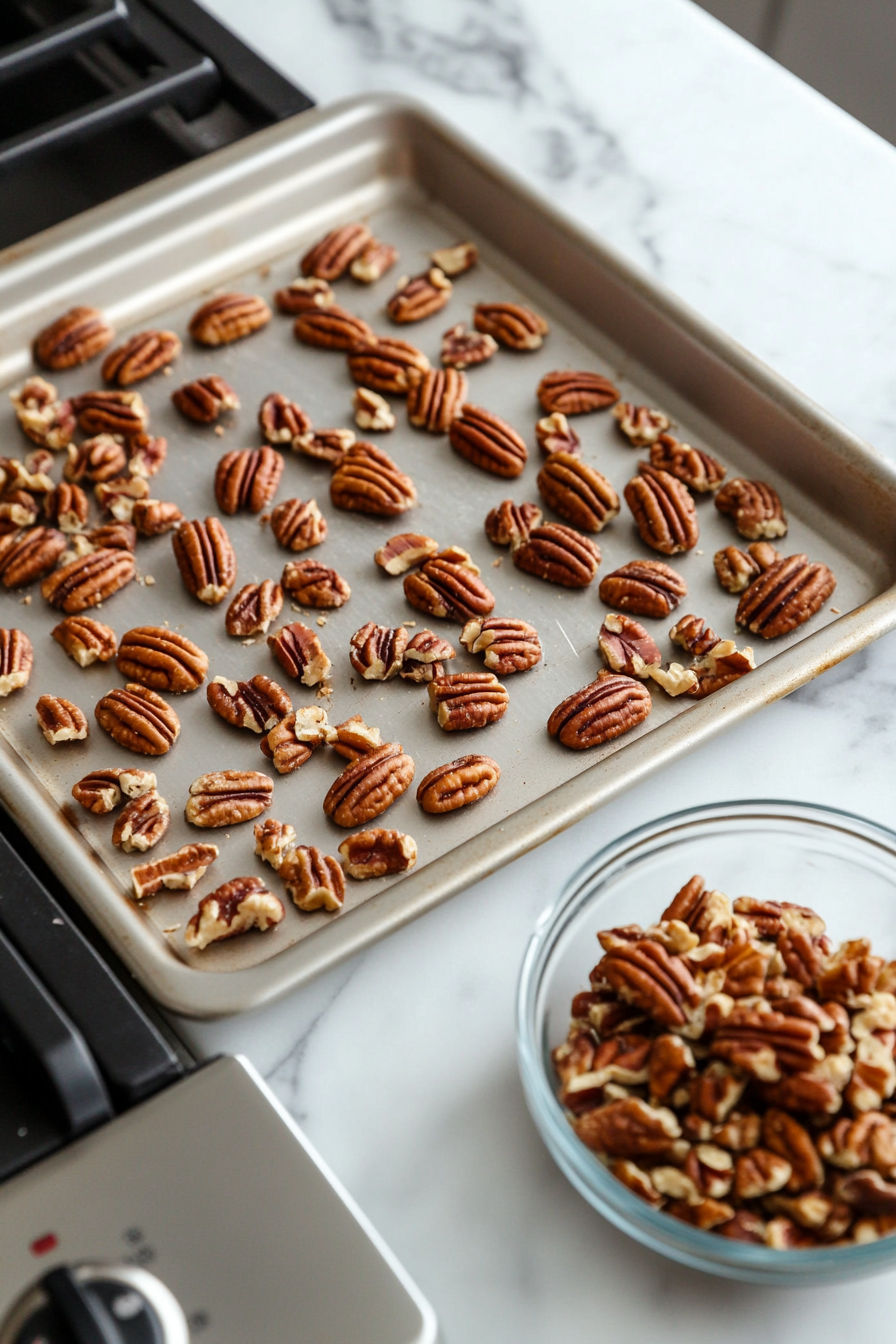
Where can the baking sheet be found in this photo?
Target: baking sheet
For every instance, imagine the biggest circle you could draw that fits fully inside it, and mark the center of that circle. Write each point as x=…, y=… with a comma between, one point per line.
x=543, y=786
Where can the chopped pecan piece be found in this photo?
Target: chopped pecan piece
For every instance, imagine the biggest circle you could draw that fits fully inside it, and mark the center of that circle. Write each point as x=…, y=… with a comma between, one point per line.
x=643, y=587
x=281, y=420
x=487, y=441
x=404, y=552
x=735, y=569
x=247, y=479
x=331, y=328
x=162, y=659
x=300, y=653
x=155, y=517
x=425, y=655
x=372, y=412
x=558, y=554
x=386, y=364
x=674, y=679
x=16, y=660
x=373, y=261
x=298, y=524
x=273, y=840
x=205, y=558
x=146, y=454
x=119, y=496
x=510, y=524
x=420, y=297
x=227, y=318
x=369, y=785
x=111, y=412
x=464, y=700
x=629, y=1127
x=73, y=338
x=114, y=536
x=290, y=742
x=138, y=719
x=228, y=797
x=641, y=425
x=577, y=492
x=355, y=738
x=85, y=582
x=176, y=872
x=435, y=399
x=43, y=417
x=204, y=399
x=625, y=646
x=241, y=904
x=850, y=973
x=101, y=458
x=257, y=704
x=26, y=556
x=99, y=792
x=600, y=712
x=723, y=664
x=785, y=596
x=300, y=295
x=60, y=721
x=448, y=588
x=574, y=392
x=325, y=445
x=140, y=357
x=457, y=259
x=458, y=784
x=509, y=645
x=556, y=435
x=671, y=1061
x=379, y=853
x=511, y=324
x=134, y=782
x=693, y=634
x=377, y=651
x=697, y=469
x=461, y=349
x=312, y=584
x=755, y=507
x=141, y=823
x=19, y=509
x=313, y=880
x=331, y=257
x=253, y=609
x=366, y=480
x=663, y=511
x=867, y=1192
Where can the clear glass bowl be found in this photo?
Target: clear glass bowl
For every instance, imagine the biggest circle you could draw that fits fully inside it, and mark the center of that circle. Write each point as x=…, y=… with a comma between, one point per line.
x=841, y=865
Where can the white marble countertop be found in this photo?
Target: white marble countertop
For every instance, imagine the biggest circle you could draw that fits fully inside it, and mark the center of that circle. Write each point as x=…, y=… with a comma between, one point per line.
x=771, y=212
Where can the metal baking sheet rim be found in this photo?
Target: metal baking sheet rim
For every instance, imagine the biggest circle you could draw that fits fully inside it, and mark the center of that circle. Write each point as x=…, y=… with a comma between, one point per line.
x=177, y=985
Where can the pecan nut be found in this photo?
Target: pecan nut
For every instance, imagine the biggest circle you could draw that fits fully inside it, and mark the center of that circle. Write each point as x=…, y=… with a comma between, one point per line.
x=16, y=660
x=26, y=556
x=386, y=364
x=377, y=651
x=600, y=712
x=155, y=517
x=641, y=425
x=509, y=645
x=253, y=609
x=19, y=509
x=65, y=507
x=227, y=318
x=372, y=412
x=204, y=399
x=111, y=412
x=425, y=655
x=300, y=295
x=722, y=664
x=228, y=797
x=629, y=1127
x=355, y=738
x=325, y=445
x=558, y=554
x=142, y=823
x=331, y=257
x=447, y=589
x=510, y=524
x=373, y=261
x=735, y=569
x=643, y=587
x=73, y=338
x=99, y=792
x=257, y=704
x=140, y=357
x=206, y=559
x=313, y=880
x=420, y=297
x=462, y=349
x=300, y=653
x=119, y=496
x=60, y=721
x=331, y=328
x=247, y=479
x=176, y=872
x=114, y=536
x=626, y=646
x=290, y=743
x=161, y=659
x=100, y=458
x=697, y=469
x=458, y=784
x=136, y=718
x=42, y=416
x=578, y=492
x=786, y=1137
x=369, y=785
x=366, y=480
x=784, y=597
x=575, y=392
x=281, y=420
x=146, y=454
x=379, y=853
x=273, y=840
x=435, y=399
x=693, y=634
x=405, y=551
x=487, y=441
x=663, y=511
x=511, y=324
x=241, y=904
x=312, y=584
x=755, y=507
x=92, y=579
x=457, y=259
x=556, y=435
x=464, y=700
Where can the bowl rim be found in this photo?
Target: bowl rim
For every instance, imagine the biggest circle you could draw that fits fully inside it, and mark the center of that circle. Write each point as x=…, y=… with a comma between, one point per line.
x=689, y=1245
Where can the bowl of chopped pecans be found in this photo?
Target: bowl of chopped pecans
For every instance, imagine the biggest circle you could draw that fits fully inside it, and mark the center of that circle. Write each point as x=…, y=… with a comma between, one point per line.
x=710, y=1059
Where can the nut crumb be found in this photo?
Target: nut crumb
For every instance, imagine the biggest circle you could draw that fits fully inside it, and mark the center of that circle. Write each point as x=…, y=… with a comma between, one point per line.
x=496, y=563
x=26, y=600
x=219, y=430
x=409, y=622
x=167, y=370
x=698, y=552
x=321, y=620
x=172, y=928
x=264, y=271
x=324, y=691
x=58, y=921
x=150, y=582
x=247, y=643
x=835, y=610
x=264, y=520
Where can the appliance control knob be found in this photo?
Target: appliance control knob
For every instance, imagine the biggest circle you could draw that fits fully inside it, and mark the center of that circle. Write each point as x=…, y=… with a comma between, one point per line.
x=96, y=1304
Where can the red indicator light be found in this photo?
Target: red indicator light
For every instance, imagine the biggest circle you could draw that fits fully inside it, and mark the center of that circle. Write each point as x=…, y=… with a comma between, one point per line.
x=42, y=1245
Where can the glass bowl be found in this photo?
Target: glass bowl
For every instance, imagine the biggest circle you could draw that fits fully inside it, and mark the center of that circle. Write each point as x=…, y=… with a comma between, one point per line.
x=841, y=865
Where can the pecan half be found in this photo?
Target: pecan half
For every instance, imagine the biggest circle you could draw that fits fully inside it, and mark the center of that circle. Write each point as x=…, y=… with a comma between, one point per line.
x=313, y=880
x=114, y=536
x=204, y=399
x=228, y=797
x=785, y=596
x=205, y=558
x=450, y=590
x=300, y=295
x=663, y=511
x=556, y=435
x=241, y=904
x=509, y=645
x=331, y=328
x=575, y=392
x=379, y=853
x=487, y=441
x=458, y=784
x=629, y=1128
x=511, y=324
x=644, y=587
x=146, y=454
x=369, y=785
x=111, y=412
x=227, y=318
x=155, y=517
x=253, y=609
x=366, y=480
x=85, y=582
x=281, y=420
x=578, y=492
x=735, y=569
x=355, y=738
x=640, y=425
x=325, y=445
x=65, y=507
x=697, y=469
x=405, y=551
x=625, y=646
x=642, y=972
x=510, y=524
x=755, y=507
x=273, y=840
x=435, y=399
x=257, y=704
x=247, y=479
x=312, y=584
x=386, y=364
x=73, y=338
x=299, y=652
x=16, y=660
x=373, y=261
x=99, y=792
x=176, y=872
x=140, y=357
x=138, y=719
x=60, y=721
x=161, y=659
x=372, y=412
x=142, y=823
x=464, y=700
x=26, y=556
x=377, y=651
x=600, y=712
x=420, y=297
x=100, y=458
x=788, y=1139
x=558, y=554
x=289, y=743
x=331, y=257
x=425, y=655
x=43, y=417
x=462, y=349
